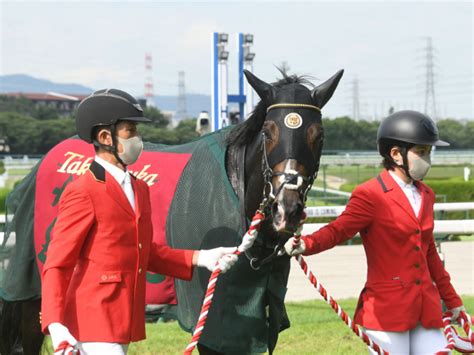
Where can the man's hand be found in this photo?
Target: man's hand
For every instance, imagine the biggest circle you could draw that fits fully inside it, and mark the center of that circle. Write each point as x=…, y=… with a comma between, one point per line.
x=293, y=250
x=209, y=258
x=456, y=311
x=60, y=333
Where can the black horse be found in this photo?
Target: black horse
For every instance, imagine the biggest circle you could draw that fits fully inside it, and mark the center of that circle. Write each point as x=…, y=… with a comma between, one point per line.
x=273, y=157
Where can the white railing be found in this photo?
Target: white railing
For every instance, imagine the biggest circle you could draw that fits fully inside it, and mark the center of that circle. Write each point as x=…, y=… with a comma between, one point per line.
x=465, y=226
x=373, y=158
x=334, y=211
x=2, y=218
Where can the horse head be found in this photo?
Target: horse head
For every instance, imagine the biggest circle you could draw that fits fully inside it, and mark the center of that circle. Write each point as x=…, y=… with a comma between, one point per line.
x=284, y=137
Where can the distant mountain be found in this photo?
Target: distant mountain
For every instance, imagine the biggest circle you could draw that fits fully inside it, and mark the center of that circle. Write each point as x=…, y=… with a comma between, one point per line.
x=26, y=83
x=195, y=103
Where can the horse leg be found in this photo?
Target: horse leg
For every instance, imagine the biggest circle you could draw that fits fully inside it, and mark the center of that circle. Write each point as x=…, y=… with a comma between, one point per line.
x=204, y=350
x=10, y=331
x=31, y=328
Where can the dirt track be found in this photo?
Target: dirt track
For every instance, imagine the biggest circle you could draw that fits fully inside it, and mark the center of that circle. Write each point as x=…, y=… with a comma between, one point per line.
x=342, y=271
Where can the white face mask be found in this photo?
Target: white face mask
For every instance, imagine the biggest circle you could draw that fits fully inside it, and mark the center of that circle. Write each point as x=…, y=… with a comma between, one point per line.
x=132, y=148
x=418, y=166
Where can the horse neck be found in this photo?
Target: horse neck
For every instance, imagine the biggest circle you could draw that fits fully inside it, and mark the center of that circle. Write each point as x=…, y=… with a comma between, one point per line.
x=253, y=177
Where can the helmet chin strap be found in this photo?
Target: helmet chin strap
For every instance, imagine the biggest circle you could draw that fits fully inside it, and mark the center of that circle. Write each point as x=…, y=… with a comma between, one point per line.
x=111, y=148
x=404, y=166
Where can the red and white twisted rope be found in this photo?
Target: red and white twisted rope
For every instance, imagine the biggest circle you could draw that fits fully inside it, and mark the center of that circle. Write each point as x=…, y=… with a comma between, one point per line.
x=65, y=348
x=328, y=298
x=247, y=242
x=448, y=333
x=466, y=321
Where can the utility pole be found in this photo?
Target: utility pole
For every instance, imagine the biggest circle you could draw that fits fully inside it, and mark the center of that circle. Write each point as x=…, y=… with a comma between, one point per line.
x=355, y=100
x=430, y=99
x=181, y=112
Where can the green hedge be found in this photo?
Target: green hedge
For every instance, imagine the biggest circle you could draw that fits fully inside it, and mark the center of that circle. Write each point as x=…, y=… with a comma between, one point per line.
x=455, y=189
x=3, y=196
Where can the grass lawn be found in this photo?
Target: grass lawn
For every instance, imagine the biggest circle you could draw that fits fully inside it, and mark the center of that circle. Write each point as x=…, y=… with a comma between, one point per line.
x=315, y=329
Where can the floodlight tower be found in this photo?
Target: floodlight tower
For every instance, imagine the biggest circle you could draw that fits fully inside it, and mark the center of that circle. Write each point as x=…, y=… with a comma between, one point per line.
x=246, y=57
x=220, y=95
x=220, y=58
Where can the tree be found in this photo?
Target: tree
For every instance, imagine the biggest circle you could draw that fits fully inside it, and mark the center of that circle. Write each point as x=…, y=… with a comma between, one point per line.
x=19, y=105
x=25, y=106
x=159, y=120
x=54, y=131
x=453, y=132
x=22, y=132
x=43, y=112
x=186, y=131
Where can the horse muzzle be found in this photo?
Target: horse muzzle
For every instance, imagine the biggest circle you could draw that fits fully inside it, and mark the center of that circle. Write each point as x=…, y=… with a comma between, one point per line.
x=287, y=212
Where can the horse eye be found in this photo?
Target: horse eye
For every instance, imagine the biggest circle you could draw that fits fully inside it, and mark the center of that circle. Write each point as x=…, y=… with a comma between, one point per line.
x=268, y=136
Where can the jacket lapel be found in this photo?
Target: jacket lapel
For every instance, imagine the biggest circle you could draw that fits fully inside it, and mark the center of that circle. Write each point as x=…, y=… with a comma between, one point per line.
x=115, y=191
x=424, y=192
x=397, y=195
x=138, y=196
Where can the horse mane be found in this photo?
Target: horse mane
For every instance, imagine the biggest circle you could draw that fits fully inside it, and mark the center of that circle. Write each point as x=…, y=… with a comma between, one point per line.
x=246, y=131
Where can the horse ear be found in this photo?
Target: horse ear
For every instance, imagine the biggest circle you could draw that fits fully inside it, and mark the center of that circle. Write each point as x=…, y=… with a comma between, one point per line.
x=322, y=93
x=263, y=89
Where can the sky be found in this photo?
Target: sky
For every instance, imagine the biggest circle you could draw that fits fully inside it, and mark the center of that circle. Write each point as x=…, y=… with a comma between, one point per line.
x=381, y=45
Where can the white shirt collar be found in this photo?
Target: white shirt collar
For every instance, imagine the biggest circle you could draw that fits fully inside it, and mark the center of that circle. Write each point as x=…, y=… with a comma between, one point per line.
x=400, y=182
x=113, y=170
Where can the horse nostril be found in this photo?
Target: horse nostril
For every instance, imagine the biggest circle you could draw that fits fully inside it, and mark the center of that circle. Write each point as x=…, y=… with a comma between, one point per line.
x=295, y=214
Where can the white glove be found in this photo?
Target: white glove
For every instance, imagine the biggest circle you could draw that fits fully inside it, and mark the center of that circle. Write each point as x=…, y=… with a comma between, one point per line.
x=209, y=258
x=456, y=311
x=60, y=333
x=293, y=251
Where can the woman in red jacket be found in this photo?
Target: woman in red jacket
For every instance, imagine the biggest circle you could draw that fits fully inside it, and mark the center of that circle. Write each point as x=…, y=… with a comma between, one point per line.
x=400, y=304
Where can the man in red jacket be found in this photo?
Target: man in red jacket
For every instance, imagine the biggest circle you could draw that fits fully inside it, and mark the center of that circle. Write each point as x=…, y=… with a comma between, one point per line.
x=400, y=304
x=94, y=278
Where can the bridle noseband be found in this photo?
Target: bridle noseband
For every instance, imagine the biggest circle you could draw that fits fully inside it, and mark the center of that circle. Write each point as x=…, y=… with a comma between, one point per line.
x=292, y=180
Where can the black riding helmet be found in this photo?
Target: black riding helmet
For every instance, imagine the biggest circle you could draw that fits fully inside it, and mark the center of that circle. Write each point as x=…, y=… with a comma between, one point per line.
x=105, y=108
x=406, y=129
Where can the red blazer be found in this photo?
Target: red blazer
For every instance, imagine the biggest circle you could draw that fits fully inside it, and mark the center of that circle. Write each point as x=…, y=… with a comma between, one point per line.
x=95, y=273
x=405, y=276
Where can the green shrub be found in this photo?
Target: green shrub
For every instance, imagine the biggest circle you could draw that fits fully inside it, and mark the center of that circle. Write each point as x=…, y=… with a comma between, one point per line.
x=455, y=189
x=3, y=196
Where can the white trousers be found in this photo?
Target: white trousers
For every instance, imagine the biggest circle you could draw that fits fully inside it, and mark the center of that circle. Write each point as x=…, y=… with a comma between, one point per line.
x=418, y=341
x=90, y=348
